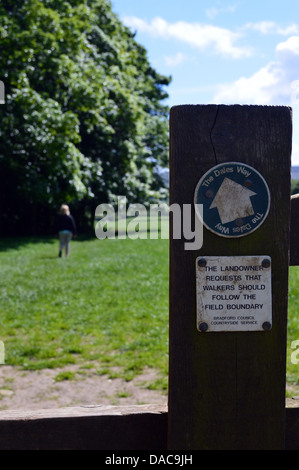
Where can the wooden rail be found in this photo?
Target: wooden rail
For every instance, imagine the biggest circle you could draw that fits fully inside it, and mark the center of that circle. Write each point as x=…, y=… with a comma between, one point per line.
x=130, y=428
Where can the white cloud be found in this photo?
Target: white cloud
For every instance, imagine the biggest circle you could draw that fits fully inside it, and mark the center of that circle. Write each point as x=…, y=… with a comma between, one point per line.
x=213, y=12
x=295, y=154
x=174, y=61
x=275, y=84
x=202, y=36
x=257, y=89
x=269, y=27
x=271, y=84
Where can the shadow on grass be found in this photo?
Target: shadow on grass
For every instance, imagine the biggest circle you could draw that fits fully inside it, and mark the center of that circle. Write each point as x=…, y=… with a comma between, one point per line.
x=16, y=243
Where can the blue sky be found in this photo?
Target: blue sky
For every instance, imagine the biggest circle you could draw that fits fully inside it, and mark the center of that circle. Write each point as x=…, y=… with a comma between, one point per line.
x=222, y=51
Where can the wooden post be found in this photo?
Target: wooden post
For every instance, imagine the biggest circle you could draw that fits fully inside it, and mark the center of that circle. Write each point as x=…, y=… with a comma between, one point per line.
x=227, y=389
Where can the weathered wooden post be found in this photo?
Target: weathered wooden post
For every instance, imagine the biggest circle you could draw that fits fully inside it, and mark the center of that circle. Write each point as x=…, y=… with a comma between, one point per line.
x=228, y=300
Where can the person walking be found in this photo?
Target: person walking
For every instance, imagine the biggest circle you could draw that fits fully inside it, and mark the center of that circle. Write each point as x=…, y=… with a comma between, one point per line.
x=66, y=228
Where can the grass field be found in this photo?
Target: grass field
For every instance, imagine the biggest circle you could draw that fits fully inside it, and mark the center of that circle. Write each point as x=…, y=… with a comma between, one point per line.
x=293, y=329
x=105, y=304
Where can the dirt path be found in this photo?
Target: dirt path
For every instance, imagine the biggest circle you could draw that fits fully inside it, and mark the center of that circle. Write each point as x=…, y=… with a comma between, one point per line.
x=31, y=390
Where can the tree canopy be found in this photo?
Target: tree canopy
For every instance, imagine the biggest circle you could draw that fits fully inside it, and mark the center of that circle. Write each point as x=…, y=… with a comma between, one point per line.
x=84, y=118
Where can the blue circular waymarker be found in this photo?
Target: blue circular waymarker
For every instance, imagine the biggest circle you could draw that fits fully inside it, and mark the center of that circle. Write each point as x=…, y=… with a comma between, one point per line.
x=232, y=200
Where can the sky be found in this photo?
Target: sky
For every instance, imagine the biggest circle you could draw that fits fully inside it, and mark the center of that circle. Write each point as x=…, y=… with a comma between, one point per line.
x=222, y=51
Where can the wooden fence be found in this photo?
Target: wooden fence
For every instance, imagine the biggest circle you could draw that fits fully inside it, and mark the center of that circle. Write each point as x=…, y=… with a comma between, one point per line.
x=227, y=373
x=130, y=428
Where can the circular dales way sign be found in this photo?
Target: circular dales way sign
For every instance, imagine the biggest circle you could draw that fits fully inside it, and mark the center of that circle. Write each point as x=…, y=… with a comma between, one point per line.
x=235, y=200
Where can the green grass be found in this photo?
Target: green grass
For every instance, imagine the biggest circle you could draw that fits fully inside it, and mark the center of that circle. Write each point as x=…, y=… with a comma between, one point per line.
x=66, y=375
x=106, y=306
x=107, y=302
x=293, y=328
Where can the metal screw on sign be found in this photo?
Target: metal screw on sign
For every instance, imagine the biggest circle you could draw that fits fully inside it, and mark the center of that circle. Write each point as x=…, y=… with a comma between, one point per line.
x=266, y=263
x=248, y=183
x=203, y=327
x=209, y=194
x=202, y=263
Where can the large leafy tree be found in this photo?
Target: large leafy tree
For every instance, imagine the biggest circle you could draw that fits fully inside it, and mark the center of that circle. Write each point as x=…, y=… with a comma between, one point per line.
x=84, y=118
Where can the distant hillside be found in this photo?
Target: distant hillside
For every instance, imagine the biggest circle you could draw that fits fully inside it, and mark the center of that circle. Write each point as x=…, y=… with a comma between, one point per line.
x=295, y=172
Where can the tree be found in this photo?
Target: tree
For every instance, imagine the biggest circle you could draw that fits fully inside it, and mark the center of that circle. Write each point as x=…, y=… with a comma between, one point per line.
x=84, y=118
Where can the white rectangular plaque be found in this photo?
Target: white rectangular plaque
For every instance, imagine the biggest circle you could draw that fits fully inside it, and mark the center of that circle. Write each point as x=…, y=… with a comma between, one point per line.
x=233, y=293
